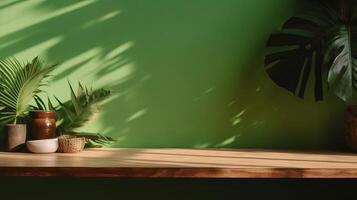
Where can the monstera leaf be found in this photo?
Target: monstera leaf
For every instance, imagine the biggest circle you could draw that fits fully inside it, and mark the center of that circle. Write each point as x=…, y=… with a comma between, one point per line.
x=342, y=76
x=320, y=40
x=290, y=68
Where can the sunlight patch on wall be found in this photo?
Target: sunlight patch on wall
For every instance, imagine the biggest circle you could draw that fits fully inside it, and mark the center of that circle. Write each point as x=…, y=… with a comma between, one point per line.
x=40, y=48
x=227, y=141
x=203, y=145
x=118, y=50
x=205, y=92
x=5, y=2
x=136, y=115
x=114, y=68
x=118, y=76
x=6, y=43
x=146, y=77
x=13, y=22
x=209, y=90
x=231, y=103
x=238, y=117
x=101, y=19
x=77, y=60
x=34, y=16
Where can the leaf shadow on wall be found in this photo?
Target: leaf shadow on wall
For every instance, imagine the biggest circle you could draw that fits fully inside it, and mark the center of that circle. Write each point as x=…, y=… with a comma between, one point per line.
x=77, y=33
x=171, y=70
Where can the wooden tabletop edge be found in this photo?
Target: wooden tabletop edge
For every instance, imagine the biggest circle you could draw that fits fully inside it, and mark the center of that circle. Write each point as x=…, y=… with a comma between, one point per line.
x=194, y=172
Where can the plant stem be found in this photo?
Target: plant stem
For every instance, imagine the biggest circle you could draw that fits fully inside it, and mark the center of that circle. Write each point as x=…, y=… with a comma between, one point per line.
x=15, y=121
x=345, y=10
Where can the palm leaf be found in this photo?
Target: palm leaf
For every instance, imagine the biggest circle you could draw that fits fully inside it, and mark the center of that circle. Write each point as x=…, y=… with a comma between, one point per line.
x=75, y=101
x=19, y=83
x=79, y=110
x=50, y=105
x=94, y=139
x=40, y=103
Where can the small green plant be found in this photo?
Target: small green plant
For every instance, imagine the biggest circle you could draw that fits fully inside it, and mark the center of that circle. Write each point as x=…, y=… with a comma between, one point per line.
x=19, y=84
x=77, y=111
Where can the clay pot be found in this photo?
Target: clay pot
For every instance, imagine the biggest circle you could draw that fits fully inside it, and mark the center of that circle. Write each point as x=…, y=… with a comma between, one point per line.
x=15, y=136
x=43, y=125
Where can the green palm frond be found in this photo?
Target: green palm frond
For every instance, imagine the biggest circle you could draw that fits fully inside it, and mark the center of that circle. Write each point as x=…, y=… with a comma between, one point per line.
x=79, y=110
x=95, y=140
x=19, y=83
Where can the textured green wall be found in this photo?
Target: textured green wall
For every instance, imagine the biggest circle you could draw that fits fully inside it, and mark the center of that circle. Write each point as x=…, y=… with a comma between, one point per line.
x=184, y=73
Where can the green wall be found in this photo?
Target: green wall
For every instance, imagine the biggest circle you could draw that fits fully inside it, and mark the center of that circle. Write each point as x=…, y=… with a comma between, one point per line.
x=184, y=73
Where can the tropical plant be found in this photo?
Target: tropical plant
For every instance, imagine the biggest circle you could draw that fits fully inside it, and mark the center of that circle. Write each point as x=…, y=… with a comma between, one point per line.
x=77, y=111
x=19, y=84
x=317, y=45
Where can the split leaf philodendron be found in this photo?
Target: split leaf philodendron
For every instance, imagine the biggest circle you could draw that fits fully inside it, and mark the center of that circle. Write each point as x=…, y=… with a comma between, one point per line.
x=317, y=45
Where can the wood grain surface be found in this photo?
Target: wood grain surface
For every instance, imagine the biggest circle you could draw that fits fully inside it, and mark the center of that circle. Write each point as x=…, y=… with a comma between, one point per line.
x=192, y=163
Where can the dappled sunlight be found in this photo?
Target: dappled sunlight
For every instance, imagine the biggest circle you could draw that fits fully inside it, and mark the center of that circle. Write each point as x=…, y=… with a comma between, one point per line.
x=41, y=47
x=67, y=33
x=146, y=77
x=179, y=80
x=76, y=62
x=209, y=90
x=101, y=19
x=204, y=94
x=119, y=50
x=227, y=142
x=136, y=115
x=113, y=73
x=8, y=3
x=202, y=145
x=258, y=123
x=28, y=8
x=11, y=42
x=238, y=117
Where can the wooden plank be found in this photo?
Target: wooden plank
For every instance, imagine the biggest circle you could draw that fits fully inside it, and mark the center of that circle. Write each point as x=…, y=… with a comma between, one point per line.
x=193, y=163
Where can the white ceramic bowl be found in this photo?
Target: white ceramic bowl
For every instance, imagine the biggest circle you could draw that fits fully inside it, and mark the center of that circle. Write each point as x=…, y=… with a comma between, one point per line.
x=42, y=146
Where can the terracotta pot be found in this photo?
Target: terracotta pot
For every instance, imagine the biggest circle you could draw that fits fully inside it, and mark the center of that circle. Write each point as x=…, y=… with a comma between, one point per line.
x=43, y=125
x=15, y=136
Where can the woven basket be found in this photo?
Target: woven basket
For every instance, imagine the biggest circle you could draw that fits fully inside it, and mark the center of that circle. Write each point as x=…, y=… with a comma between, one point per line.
x=70, y=144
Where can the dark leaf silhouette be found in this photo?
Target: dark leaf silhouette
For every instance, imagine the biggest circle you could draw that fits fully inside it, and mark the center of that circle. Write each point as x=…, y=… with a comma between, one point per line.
x=321, y=40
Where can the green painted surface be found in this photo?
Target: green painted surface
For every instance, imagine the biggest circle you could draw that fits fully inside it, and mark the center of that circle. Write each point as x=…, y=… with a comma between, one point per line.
x=184, y=73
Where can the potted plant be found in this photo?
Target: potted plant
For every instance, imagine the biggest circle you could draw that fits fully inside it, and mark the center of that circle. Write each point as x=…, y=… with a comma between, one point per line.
x=19, y=84
x=319, y=46
x=76, y=112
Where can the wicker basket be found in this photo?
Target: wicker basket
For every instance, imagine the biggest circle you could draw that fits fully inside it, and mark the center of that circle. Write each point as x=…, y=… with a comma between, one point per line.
x=70, y=144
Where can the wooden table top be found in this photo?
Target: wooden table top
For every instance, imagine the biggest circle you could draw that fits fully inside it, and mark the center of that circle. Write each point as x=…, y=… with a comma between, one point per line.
x=194, y=163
